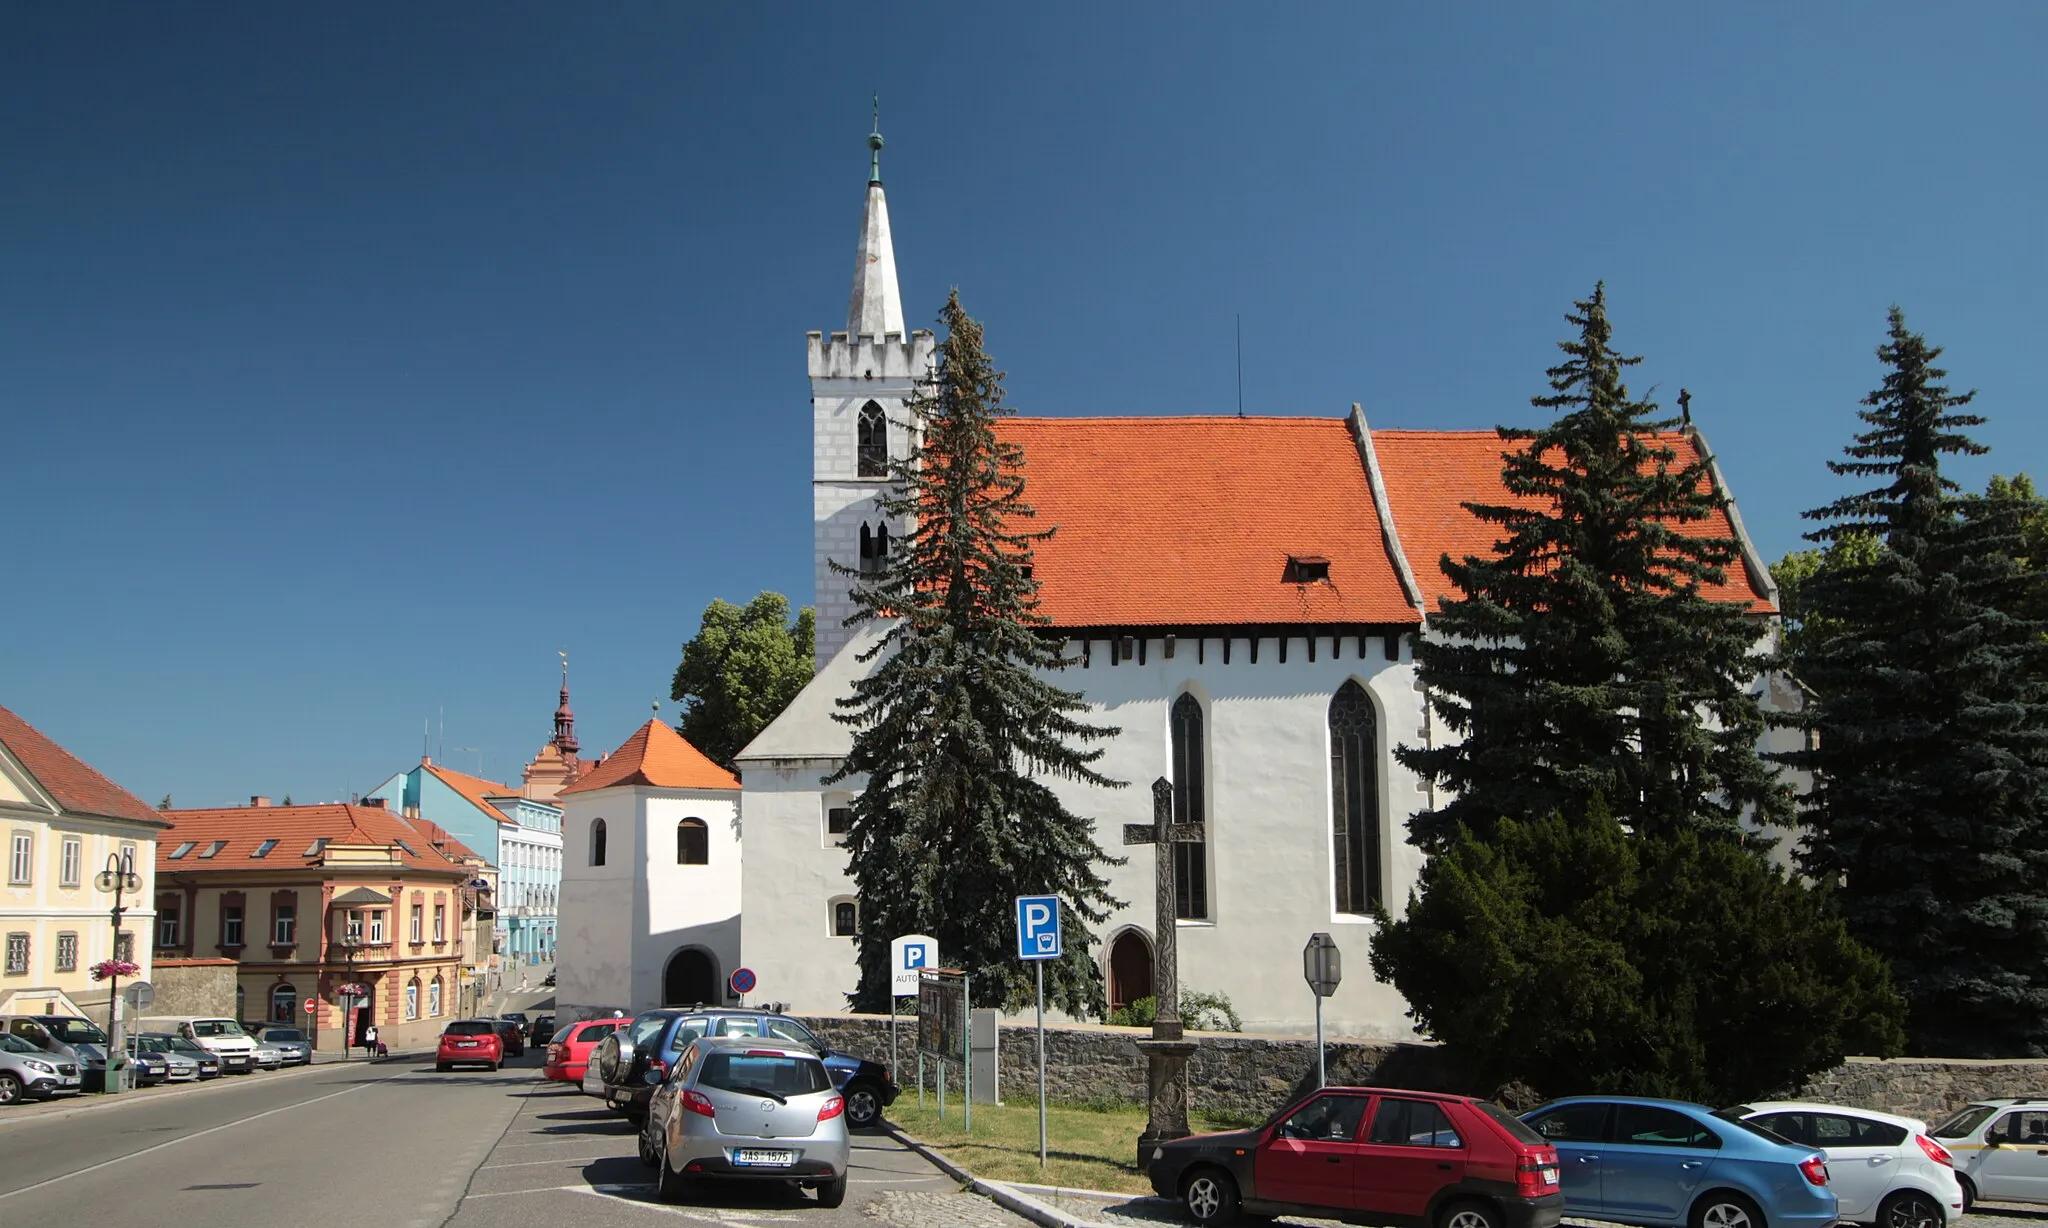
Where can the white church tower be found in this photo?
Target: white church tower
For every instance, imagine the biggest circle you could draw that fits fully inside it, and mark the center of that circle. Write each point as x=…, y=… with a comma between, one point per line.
x=860, y=380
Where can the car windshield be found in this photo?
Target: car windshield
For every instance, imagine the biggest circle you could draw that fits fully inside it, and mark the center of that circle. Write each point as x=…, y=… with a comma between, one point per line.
x=773, y=1074
x=470, y=1027
x=75, y=1032
x=216, y=1027
x=1964, y=1122
x=182, y=1045
x=1514, y=1125
x=285, y=1034
x=14, y=1044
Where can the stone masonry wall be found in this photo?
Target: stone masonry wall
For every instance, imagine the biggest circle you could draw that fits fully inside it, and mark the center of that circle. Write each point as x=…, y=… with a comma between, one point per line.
x=193, y=987
x=1246, y=1075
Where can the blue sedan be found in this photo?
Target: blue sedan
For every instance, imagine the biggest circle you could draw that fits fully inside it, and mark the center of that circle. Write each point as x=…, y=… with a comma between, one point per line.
x=1669, y=1164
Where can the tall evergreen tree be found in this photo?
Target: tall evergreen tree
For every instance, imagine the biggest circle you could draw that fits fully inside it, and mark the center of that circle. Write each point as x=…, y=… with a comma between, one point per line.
x=956, y=727
x=1929, y=727
x=1583, y=664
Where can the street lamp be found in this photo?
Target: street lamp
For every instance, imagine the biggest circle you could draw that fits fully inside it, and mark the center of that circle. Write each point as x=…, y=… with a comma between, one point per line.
x=119, y=878
x=351, y=946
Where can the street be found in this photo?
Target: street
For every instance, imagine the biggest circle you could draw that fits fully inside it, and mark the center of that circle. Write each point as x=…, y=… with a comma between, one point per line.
x=399, y=1145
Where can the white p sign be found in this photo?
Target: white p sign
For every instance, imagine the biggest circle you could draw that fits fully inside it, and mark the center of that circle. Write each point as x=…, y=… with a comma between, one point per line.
x=1038, y=927
x=908, y=956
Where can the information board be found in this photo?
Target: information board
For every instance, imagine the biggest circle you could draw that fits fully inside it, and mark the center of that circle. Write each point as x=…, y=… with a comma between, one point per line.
x=942, y=1014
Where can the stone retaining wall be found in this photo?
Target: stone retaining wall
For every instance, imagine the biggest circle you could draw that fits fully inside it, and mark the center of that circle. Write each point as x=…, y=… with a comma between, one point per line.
x=1924, y=1087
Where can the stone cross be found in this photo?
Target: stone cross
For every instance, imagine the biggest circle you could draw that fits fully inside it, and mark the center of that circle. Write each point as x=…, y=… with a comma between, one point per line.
x=1167, y=1051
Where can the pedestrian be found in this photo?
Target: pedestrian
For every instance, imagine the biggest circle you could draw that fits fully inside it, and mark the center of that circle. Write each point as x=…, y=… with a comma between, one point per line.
x=370, y=1045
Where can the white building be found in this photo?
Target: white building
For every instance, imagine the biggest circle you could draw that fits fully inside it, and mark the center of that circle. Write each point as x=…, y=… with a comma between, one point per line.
x=1242, y=597
x=650, y=891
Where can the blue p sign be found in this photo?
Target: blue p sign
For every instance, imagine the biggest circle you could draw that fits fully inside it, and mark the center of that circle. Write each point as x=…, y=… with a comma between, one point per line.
x=913, y=955
x=1038, y=927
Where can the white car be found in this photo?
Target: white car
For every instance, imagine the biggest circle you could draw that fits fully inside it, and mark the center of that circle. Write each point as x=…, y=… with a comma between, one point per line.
x=267, y=1056
x=2001, y=1149
x=1884, y=1170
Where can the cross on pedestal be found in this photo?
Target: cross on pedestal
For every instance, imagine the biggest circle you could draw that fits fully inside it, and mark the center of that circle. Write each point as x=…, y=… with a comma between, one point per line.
x=1167, y=1052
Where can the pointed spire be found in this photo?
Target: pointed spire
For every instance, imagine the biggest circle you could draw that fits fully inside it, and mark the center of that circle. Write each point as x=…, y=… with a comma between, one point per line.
x=876, y=308
x=565, y=720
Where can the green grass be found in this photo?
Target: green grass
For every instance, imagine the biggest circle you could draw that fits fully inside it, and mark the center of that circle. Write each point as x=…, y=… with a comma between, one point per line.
x=1092, y=1147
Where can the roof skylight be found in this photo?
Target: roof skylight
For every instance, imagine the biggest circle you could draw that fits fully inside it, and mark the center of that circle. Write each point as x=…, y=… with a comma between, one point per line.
x=181, y=850
x=263, y=849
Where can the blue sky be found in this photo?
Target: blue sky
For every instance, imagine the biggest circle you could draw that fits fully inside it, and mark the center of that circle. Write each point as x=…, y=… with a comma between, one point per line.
x=355, y=359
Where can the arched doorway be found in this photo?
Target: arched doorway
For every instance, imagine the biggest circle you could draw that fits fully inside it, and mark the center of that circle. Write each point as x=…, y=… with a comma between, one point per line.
x=690, y=979
x=1130, y=969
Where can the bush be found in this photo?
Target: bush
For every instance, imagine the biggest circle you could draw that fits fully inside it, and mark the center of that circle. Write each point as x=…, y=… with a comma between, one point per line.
x=1199, y=1012
x=1573, y=957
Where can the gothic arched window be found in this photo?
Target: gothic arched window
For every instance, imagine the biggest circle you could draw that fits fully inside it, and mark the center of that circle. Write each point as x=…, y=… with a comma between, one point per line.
x=872, y=451
x=597, y=842
x=693, y=843
x=1355, y=799
x=1191, y=861
x=874, y=549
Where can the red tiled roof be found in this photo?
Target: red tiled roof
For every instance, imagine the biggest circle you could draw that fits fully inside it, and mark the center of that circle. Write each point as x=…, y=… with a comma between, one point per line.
x=295, y=828
x=65, y=777
x=1191, y=521
x=1431, y=475
x=441, y=838
x=659, y=756
x=475, y=789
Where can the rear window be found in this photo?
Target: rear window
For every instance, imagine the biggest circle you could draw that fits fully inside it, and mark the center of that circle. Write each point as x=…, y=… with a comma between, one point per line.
x=596, y=1031
x=471, y=1027
x=644, y=1030
x=283, y=1034
x=763, y=1072
x=1964, y=1123
x=75, y=1031
x=1762, y=1133
x=1507, y=1121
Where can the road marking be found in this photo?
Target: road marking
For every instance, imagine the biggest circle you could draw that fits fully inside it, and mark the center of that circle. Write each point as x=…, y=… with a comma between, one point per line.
x=186, y=1138
x=530, y=1163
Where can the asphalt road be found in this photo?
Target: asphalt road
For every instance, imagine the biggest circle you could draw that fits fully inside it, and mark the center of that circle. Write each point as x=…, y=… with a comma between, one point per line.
x=398, y=1145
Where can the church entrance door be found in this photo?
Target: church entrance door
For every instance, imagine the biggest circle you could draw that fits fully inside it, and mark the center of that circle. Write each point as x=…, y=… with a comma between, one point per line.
x=1130, y=969
x=690, y=980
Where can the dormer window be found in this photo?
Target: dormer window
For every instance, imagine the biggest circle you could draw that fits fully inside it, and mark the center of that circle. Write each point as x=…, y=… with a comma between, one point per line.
x=872, y=449
x=1307, y=569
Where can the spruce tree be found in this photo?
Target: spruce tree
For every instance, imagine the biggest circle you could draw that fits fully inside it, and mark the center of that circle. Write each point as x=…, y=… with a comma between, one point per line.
x=1582, y=664
x=1929, y=727
x=957, y=729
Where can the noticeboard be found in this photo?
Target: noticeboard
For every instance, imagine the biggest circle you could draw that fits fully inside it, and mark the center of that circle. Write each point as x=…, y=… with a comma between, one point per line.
x=942, y=1014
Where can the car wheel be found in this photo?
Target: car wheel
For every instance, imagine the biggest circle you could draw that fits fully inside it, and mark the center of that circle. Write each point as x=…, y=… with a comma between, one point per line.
x=441, y=1066
x=648, y=1155
x=1468, y=1214
x=670, y=1185
x=493, y=1066
x=863, y=1103
x=10, y=1089
x=1910, y=1209
x=1727, y=1209
x=1210, y=1196
x=1969, y=1193
x=833, y=1192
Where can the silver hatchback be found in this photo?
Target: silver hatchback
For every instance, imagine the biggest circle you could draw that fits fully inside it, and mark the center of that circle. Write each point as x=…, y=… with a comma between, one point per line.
x=736, y=1108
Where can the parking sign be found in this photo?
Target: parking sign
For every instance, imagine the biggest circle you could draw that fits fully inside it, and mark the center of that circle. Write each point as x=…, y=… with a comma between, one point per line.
x=1038, y=927
x=908, y=956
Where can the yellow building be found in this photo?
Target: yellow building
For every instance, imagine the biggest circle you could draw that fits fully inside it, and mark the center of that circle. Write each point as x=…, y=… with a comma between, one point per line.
x=61, y=823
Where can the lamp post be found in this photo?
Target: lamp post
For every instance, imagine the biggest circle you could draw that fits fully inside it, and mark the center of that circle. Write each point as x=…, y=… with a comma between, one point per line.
x=351, y=946
x=119, y=878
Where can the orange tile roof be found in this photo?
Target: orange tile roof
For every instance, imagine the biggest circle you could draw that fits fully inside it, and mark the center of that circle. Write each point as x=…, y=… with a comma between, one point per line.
x=659, y=756
x=295, y=828
x=475, y=789
x=1190, y=522
x=441, y=838
x=66, y=778
x=1431, y=475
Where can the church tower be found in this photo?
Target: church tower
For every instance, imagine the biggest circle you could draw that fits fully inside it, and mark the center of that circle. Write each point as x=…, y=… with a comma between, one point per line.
x=860, y=381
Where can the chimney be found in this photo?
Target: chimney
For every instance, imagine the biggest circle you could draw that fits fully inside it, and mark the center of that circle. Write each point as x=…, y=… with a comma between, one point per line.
x=257, y=799
x=374, y=803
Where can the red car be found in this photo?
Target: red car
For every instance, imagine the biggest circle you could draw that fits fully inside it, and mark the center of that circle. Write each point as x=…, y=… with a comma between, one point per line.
x=472, y=1042
x=569, y=1052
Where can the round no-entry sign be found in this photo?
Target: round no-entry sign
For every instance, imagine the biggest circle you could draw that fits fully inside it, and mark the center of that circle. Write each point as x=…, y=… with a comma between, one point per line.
x=743, y=980
x=312, y=1005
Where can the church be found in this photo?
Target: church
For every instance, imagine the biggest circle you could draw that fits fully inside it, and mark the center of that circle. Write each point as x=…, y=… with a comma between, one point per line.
x=1240, y=596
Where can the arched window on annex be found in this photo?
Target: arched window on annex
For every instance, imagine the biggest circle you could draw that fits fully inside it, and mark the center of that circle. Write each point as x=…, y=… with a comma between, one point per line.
x=1356, y=838
x=843, y=916
x=597, y=842
x=871, y=452
x=1130, y=967
x=693, y=843
x=874, y=548
x=1190, y=805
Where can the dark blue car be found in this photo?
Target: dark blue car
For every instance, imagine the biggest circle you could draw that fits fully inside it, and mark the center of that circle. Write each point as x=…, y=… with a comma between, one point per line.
x=1669, y=1164
x=634, y=1060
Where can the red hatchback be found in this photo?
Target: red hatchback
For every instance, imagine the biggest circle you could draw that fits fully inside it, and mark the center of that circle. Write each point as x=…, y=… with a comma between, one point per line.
x=1373, y=1156
x=569, y=1052
x=473, y=1042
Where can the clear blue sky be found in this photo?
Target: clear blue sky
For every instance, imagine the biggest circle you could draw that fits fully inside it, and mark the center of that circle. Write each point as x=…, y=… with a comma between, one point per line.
x=354, y=359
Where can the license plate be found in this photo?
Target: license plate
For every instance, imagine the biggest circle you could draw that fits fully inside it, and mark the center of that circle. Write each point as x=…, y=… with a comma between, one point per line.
x=68, y=1081
x=762, y=1157
x=465, y=1044
x=1550, y=1176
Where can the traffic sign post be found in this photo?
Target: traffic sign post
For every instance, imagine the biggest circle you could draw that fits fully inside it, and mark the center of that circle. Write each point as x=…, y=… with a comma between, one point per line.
x=312, y=1005
x=1323, y=969
x=908, y=956
x=742, y=982
x=1039, y=939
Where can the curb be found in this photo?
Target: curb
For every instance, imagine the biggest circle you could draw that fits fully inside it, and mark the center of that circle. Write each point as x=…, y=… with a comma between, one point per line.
x=1002, y=1193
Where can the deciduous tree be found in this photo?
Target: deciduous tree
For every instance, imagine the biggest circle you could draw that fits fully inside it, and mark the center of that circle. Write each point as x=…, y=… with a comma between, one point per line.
x=740, y=671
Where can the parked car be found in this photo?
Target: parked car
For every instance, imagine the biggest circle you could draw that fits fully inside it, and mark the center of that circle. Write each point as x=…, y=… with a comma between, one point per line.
x=747, y=1109
x=150, y=1068
x=266, y=1056
x=177, y=1068
x=73, y=1039
x=1667, y=1164
x=224, y=1038
x=30, y=1073
x=2001, y=1150
x=548, y=981
x=205, y=1063
x=521, y=1018
x=1884, y=1170
x=1372, y=1156
x=568, y=1055
x=543, y=1029
x=513, y=1033
x=290, y=1041
x=619, y=1069
x=470, y=1042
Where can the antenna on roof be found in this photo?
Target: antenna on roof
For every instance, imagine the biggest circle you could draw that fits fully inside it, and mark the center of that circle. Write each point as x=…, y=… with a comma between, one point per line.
x=1240, y=364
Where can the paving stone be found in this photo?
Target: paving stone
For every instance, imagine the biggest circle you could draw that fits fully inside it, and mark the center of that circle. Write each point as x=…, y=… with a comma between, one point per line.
x=924, y=1209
